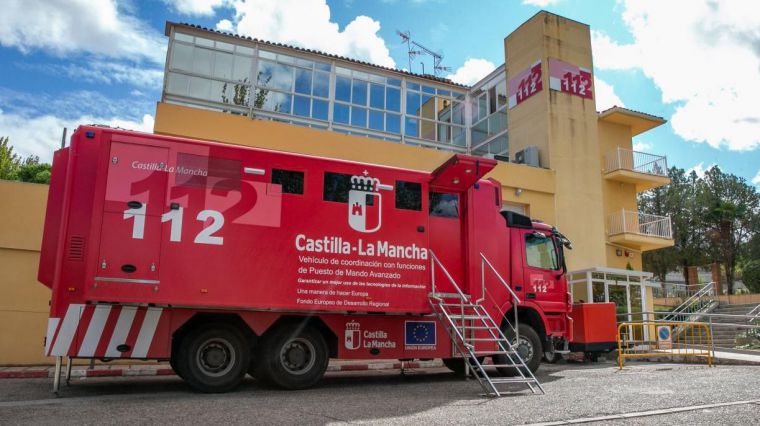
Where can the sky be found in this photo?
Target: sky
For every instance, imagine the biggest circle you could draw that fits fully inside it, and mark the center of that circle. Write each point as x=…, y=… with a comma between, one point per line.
x=695, y=63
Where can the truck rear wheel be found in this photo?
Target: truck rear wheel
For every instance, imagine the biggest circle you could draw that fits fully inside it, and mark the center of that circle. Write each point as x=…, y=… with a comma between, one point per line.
x=457, y=364
x=213, y=358
x=293, y=357
x=528, y=346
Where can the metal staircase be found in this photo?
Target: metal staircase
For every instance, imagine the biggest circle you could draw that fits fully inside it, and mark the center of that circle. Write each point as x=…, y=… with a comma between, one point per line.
x=476, y=335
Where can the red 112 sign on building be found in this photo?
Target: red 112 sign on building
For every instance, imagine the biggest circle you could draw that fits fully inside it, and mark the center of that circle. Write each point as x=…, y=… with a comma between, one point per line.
x=569, y=78
x=525, y=84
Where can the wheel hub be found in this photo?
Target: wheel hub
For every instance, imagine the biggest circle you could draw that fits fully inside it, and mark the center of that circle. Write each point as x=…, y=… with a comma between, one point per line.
x=215, y=357
x=298, y=356
x=524, y=348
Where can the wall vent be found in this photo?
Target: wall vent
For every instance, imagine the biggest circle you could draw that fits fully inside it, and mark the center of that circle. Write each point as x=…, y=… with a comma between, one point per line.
x=76, y=248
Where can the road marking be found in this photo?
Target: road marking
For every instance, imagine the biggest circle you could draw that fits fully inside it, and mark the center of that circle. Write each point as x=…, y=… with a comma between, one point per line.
x=635, y=414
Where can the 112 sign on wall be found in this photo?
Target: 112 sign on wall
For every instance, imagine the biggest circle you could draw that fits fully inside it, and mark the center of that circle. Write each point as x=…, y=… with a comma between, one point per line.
x=525, y=84
x=569, y=78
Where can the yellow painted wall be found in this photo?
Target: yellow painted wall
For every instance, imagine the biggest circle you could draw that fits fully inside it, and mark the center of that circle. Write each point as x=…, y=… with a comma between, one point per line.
x=24, y=302
x=564, y=128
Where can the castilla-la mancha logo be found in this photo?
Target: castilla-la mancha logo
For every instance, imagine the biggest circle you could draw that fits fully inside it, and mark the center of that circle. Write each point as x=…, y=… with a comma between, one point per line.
x=365, y=202
x=353, y=337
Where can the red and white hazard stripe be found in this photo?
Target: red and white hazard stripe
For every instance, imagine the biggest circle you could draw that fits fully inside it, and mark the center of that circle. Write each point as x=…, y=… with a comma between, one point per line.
x=108, y=331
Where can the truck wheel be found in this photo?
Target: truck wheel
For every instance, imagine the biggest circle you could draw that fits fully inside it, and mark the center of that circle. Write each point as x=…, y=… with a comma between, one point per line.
x=213, y=358
x=457, y=364
x=529, y=347
x=293, y=357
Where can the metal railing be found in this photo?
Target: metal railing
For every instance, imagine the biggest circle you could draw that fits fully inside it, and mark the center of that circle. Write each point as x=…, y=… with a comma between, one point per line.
x=754, y=314
x=515, y=299
x=695, y=304
x=635, y=161
x=696, y=342
x=633, y=222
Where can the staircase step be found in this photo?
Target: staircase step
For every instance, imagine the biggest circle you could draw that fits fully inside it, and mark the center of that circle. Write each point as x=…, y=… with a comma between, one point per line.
x=513, y=380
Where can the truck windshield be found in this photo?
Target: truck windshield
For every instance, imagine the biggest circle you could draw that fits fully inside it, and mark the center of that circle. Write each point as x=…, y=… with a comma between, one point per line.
x=541, y=252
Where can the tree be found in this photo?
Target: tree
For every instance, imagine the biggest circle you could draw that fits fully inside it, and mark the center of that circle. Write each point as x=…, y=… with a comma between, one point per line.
x=728, y=207
x=751, y=275
x=12, y=167
x=677, y=200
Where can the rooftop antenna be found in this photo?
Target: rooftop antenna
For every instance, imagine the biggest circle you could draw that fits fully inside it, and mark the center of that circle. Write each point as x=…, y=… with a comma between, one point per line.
x=416, y=49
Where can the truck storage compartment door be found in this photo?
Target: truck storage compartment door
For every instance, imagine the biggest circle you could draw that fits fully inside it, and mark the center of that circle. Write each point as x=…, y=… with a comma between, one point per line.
x=446, y=220
x=135, y=199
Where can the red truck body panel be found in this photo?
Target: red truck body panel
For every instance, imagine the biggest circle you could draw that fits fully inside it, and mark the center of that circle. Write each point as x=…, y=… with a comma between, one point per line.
x=144, y=231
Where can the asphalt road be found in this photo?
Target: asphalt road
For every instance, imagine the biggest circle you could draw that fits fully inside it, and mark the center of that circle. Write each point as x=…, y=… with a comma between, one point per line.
x=433, y=396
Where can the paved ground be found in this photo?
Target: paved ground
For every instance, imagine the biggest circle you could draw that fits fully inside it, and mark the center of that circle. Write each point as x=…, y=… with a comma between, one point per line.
x=423, y=396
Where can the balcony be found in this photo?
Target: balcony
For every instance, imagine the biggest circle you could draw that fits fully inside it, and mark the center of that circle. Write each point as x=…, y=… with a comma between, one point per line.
x=639, y=231
x=644, y=170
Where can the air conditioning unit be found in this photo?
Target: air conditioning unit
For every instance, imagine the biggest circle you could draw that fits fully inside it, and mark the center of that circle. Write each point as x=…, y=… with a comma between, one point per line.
x=528, y=156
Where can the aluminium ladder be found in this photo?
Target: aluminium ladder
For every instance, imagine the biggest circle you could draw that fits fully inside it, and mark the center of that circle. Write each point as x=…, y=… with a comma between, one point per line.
x=463, y=318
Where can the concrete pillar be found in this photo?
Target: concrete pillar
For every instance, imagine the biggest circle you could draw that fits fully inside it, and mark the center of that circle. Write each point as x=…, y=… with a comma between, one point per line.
x=717, y=277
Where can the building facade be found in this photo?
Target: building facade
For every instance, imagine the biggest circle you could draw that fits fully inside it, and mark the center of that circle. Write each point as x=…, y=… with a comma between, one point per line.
x=560, y=160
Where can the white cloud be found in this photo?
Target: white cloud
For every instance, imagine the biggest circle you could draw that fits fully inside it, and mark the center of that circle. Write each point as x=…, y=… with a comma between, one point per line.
x=704, y=56
x=225, y=25
x=605, y=95
x=699, y=169
x=540, y=3
x=472, y=71
x=107, y=72
x=41, y=135
x=195, y=7
x=73, y=26
x=306, y=23
x=642, y=146
x=756, y=179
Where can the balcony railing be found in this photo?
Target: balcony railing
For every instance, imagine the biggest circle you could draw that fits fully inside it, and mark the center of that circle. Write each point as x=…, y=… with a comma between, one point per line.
x=631, y=222
x=641, y=162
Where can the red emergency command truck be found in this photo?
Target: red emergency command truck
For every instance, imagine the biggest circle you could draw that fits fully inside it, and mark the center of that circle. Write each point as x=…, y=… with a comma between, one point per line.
x=226, y=260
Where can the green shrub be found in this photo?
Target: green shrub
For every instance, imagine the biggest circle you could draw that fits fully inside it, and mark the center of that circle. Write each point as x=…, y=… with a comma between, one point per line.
x=751, y=275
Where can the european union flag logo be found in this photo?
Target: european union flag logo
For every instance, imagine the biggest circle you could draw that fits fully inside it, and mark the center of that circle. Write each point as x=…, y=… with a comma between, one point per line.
x=420, y=333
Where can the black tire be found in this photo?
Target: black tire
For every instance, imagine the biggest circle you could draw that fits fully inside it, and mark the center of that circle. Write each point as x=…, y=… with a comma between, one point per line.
x=551, y=357
x=213, y=358
x=173, y=365
x=293, y=356
x=530, y=349
x=457, y=364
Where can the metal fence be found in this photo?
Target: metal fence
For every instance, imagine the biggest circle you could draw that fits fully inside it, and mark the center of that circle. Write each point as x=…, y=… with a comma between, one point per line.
x=652, y=339
x=636, y=161
x=633, y=222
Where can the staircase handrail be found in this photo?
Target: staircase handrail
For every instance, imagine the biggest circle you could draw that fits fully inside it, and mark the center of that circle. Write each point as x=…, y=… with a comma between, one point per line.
x=754, y=313
x=485, y=262
x=694, y=298
x=433, y=261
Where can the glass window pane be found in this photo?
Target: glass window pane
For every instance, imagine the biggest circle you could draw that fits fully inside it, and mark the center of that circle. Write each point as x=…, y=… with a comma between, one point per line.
x=497, y=122
x=444, y=109
x=412, y=103
x=182, y=57
x=319, y=109
x=237, y=94
x=540, y=252
x=498, y=145
x=303, y=81
x=361, y=75
x=408, y=195
x=301, y=106
x=359, y=92
x=428, y=89
x=444, y=92
x=225, y=46
x=459, y=137
x=304, y=63
x=242, y=70
x=492, y=100
x=443, y=205
x=322, y=66
x=219, y=92
x=394, y=82
x=411, y=127
x=428, y=107
x=267, y=55
x=177, y=84
x=286, y=58
x=458, y=113
x=479, y=132
x=282, y=78
x=183, y=37
x=200, y=41
x=291, y=181
x=336, y=187
x=482, y=107
x=393, y=99
x=427, y=130
x=199, y=88
x=444, y=133
x=321, y=84
x=358, y=117
x=393, y=123
x=340, y=113
x=244, y=50
x=223, y=65
x=266, y=72
x=202, y=61
x=501, y=94
x=343, y=89
x=376, y=119
x=412, y=86
x=377, y=96
x=277, y=102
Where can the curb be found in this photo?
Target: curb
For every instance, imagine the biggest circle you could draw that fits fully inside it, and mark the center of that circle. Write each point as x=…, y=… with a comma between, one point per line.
x=137, y=371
